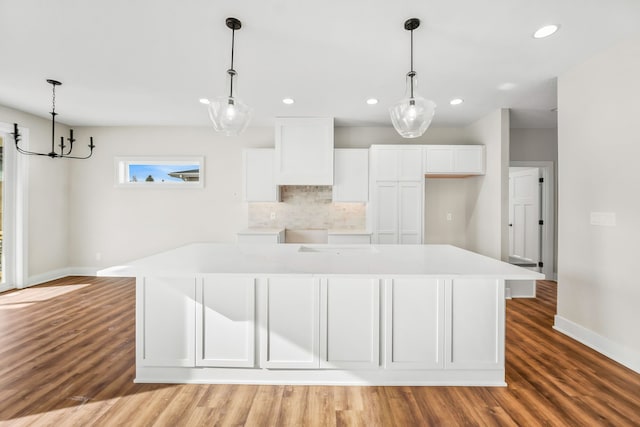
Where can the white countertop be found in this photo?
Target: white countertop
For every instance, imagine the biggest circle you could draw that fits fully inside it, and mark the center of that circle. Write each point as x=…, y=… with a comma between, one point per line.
x=443, y=261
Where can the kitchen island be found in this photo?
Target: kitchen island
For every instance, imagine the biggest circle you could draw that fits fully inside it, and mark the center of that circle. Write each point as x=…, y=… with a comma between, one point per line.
x=321, y=314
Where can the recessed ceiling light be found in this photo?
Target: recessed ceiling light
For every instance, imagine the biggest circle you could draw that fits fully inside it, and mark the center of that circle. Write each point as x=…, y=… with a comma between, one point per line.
x=545, y=31
x=507, y=86
x=372, y=101
x=456, y=101
x=204, y=101
x=288, y=101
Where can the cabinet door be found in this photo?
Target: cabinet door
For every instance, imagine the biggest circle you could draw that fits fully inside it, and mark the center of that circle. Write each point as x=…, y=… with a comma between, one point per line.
x=349, y=323
x=349, y=239
x=384, y=164
x=396, y=163
x=414, y=324
x=410, y=164
x=225, y=322
x=290, y=323
x=386, y=213
x=469, y=159
x=166, y=312
x=351, y=175
x=474, y=325
x=304, y=151
x=410, y=195
x=259, y=178
x=439, y=159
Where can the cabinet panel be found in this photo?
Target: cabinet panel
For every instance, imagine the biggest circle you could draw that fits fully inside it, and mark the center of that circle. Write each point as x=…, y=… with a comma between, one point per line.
x=291, y=322
x=259, y=177
x=414, y=327
x=475, y=324
x=168, y=309
x=438, y=159
x=454, y=159
x=351, y=175
x=386, y=212
x=304, y=151
x=225, y=322
x=410, y=164
x=410, y=195
x=349, y=331
x=384, y=164
x=469, y=159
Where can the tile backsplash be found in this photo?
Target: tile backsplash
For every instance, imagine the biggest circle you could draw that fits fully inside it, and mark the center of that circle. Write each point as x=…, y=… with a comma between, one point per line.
x=307, y=207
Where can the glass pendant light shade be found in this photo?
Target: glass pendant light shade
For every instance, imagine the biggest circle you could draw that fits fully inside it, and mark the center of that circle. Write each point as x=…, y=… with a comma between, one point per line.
x=412, y=115
x=229, y=114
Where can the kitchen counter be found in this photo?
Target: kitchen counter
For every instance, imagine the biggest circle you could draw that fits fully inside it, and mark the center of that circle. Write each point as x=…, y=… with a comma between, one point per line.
x=444, y=261
x=321, y=314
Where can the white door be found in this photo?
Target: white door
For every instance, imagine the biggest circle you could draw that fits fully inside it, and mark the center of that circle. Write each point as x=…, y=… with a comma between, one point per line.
x=524, y=214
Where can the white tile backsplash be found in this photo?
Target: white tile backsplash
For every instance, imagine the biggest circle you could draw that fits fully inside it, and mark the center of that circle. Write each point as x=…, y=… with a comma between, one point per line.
x=307, y=207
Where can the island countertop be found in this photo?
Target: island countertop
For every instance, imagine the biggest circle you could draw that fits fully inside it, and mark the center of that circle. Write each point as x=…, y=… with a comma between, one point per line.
x=318, y=259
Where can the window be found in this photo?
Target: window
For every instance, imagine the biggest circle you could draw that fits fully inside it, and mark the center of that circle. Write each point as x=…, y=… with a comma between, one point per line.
x=146, y=172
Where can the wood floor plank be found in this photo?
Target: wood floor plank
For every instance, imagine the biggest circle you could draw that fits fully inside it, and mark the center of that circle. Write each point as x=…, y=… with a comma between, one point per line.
x=68, y=353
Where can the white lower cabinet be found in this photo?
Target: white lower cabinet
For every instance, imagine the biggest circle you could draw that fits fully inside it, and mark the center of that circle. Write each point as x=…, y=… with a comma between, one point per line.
x=474, y=324
x=414, y=323
x=349, y=323
x=290, y=323
x=168, y=309
x=225, y=322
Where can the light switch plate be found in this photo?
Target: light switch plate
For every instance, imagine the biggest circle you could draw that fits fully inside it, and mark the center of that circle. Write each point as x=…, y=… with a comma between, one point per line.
x=605, y=219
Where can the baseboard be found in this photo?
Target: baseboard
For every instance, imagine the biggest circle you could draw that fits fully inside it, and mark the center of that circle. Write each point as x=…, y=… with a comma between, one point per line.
x=621, y=354
x=38, y=279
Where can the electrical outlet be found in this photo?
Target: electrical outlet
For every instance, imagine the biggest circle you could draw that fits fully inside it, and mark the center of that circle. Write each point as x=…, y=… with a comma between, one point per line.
x=273, y=215
x=98, y=256
x=449, y=216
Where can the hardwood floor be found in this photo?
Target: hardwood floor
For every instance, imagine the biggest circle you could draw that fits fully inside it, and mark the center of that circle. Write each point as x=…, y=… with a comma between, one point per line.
x=67, y=352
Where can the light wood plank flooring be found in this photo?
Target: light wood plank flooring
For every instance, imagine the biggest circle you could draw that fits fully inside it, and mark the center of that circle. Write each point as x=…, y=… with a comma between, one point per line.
x=67, y=358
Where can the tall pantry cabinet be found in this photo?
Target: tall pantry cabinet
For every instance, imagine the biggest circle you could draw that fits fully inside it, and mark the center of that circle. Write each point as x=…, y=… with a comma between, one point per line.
x=397, y=194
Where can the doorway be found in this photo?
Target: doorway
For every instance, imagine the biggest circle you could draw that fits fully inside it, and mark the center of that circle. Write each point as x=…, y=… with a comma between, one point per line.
x=532, y=216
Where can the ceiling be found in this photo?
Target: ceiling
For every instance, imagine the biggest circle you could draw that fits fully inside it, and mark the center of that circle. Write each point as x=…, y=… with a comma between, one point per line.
x=148, y=62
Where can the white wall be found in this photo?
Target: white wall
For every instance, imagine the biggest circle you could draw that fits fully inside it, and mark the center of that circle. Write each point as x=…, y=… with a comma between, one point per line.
x=534, y=145
x=48, y=196
x=122, y=224
x=598, y=149
x=488, y=195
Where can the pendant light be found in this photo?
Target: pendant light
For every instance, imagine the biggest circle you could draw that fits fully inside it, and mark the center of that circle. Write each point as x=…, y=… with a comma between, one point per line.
x=412, y=115
x=228, y=113
x=65, y=149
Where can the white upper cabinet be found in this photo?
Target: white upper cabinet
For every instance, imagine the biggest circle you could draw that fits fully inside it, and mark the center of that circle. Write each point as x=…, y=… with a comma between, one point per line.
x=351, y=175
x=454, y=160
x=396, y=163
x=259, y=178
x=304, y=151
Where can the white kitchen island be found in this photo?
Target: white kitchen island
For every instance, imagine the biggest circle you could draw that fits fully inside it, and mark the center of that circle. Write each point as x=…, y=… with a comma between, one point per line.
x=321, y=314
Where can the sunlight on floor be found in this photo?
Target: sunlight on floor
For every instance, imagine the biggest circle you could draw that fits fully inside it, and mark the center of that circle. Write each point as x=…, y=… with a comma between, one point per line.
x=26, y=297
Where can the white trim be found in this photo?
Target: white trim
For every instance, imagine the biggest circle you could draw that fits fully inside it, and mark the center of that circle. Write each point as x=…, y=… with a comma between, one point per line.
x=15, y=235
x=621, y=354
x=548, y=211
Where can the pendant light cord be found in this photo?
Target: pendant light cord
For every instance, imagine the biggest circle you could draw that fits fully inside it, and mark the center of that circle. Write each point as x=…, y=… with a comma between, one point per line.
x=232, y=72
x=411, y=72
